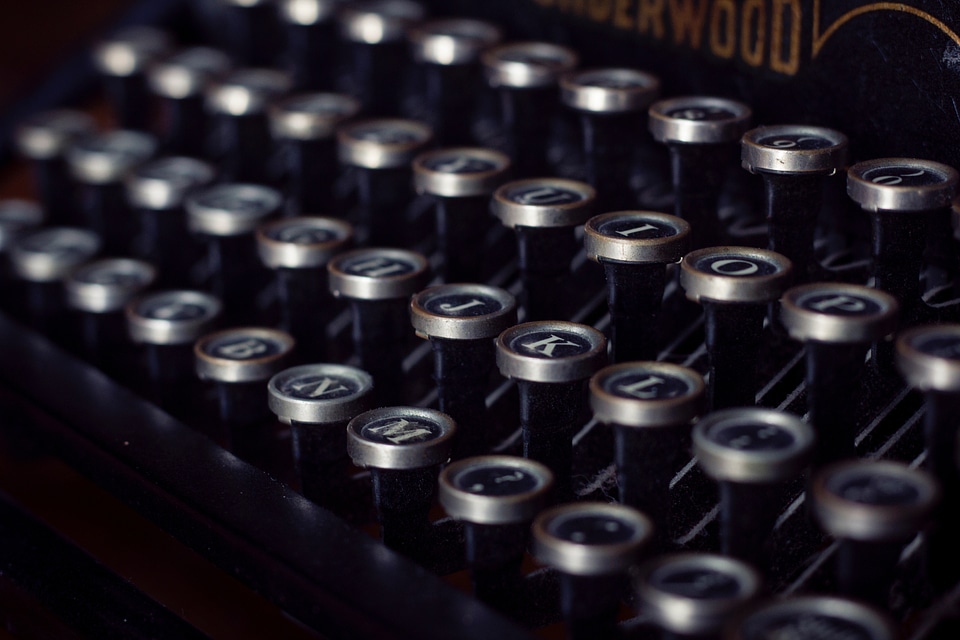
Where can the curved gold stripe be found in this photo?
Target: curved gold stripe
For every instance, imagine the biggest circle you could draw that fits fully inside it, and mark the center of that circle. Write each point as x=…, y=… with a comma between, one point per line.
x=820, y=40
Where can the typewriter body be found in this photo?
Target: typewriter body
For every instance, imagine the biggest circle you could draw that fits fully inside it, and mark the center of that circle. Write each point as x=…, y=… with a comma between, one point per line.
x=883, y=73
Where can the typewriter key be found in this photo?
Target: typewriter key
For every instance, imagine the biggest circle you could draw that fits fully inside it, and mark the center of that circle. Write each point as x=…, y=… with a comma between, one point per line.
x=43, y=139
x=543, y=212
x=304, y=125
x=497, y=498
x=167, y=324
x=226, y=216
x=695, y=595
x=298, y=250
x=461, y=321
x=380, y=151
x=551, y=363
x=794, y=160
x=902, y=196
x=403, y=447
x=733, y=284
x=750, y=453
x=874, y=508
x=460, y=181
x=651, y=406
x=318, y=400
x=157, y=191
x=238, y=105
x=634, y=248
x=376, y=31
x=813, y=618
x=100, y=163
x=378, y=283
x=122, y=60
x=449, y=54
x=179, y=81
x=928, y=357
x=17, y=217
x=99, y=291
x=700, y=133
x=251, y=31
x=837, y=323
x=526, y=75
x=592, y=545
x=612, y=104
x=310, y=27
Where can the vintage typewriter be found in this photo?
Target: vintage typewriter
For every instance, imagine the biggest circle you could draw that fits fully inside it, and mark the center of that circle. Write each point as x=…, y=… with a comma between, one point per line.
x=714, y=398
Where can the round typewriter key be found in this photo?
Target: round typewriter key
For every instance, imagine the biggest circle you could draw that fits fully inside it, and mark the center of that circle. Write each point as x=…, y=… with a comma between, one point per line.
x=100, y=290
x=497, y=498
x=157, y=191
x=928, y=357
x=874, y=508
x=634, y=248
x=226, y=216
x=694, y=595
x=403, y=447
x=750, y=453
x=700, y=133
x=43, y=140
x=304, y=124
x=902, y=197
x=318, y=400
x=179, y=81
x=100, y=163
x=298, y=250
x=250, y=29
x=376, y=31
x=17, y=217
x=813, y=618
x=238, y=104
x=460, y=180
x=593, y=546
x=551, y=363
x=651, y=406
x=544, y=212
x=448, y=52
x=310, y=27
x=526, y=75
x=794, y=161
x=380, y=151
x=377, y=283
x=461, y=321
x=612, y=104
x=122, y=60
x=837, y=323
x=733, y=285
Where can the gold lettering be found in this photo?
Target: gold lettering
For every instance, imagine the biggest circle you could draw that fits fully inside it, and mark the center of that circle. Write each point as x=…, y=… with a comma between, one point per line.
x=600, y=10
x=572, y=6
x=687, y=17
x=723, y=28
x=790, y=63
x=621, y=14
x=753, y=32
x=650, y=18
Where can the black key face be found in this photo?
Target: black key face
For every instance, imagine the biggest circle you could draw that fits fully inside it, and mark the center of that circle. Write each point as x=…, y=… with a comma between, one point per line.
x=19, y=214
x=704, y=113
x=457, y=305
x=873, y=488
x=239, y=347
x=940, y=346
x=111, y=275
x=646, y=385
x=592, y=529
x=497, y=480
x=299, y=233
x=120, y=147
x=533, y=58
x=544, y=195
x=236, y=201
x=803, y=626
x=636, y=228
x=613, y=80
x=172, y=310
x=175, y=170
x=401, y=431
x=735, y=266
x=384, y=134
x=903, y=176
x=378, y=267
x=550, y=344
x=60, y=245
x=459, y=163
x=65, y=123
x=839, y=304
x=697, y=583
x=319, y=387
x=799, y=142
x=200, y=60
x=752, y=437
x=329, y=105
